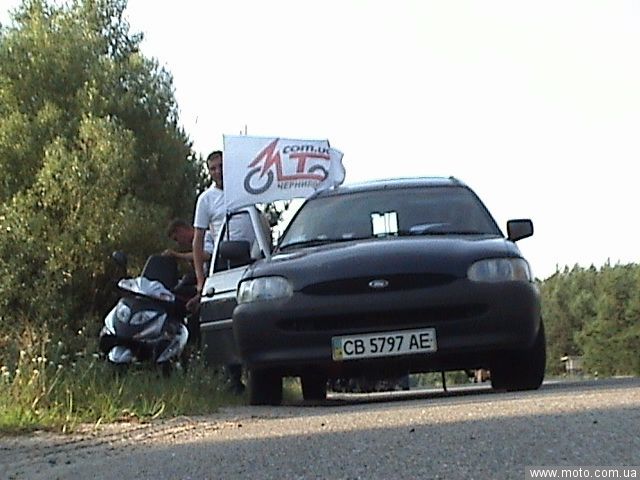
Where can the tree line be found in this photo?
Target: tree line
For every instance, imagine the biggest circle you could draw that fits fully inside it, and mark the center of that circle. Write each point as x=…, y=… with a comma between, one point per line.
x=594, y=313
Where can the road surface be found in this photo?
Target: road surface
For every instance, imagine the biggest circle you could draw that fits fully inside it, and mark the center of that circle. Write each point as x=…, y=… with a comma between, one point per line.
x=469, y=433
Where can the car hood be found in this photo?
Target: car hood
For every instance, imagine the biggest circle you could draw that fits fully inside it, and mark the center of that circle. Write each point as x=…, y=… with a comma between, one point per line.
x=410, y=258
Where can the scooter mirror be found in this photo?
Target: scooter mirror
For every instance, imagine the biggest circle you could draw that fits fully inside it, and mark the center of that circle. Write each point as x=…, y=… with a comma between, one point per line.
x=120, y=258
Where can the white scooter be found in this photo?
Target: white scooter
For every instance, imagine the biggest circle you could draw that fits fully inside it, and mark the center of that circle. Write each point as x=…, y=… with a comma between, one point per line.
x=148, y=322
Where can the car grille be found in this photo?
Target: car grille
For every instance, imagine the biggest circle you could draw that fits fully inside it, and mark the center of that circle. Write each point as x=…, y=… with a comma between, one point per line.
x=361, y=322
x=350, y=286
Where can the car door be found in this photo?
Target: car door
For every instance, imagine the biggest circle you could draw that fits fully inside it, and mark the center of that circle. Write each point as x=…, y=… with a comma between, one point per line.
x=219, y=292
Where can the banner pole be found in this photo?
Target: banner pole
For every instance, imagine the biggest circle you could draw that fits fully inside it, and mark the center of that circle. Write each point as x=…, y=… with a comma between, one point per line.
x=228, y=235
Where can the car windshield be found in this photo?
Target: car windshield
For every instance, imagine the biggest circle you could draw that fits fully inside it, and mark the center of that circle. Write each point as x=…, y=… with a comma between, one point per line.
x=389, y=212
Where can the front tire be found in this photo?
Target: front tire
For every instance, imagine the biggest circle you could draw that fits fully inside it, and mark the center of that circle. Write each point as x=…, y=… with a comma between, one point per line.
x=265, y=387
x=314, y=386
x=522, y=370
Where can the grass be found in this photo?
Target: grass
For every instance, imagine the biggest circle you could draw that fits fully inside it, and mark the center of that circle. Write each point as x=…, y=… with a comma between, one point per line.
x=40, y=388
x=45, y=387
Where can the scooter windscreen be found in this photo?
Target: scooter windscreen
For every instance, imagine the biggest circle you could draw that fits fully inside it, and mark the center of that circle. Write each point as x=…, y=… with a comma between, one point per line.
x=148, y=288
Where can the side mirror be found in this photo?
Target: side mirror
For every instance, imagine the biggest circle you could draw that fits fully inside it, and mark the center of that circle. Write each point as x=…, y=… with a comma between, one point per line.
x=519, y=229
x=237, y=252
x=120, y=258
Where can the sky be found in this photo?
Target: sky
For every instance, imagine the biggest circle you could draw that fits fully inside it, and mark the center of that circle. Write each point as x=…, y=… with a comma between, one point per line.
x=534, y=105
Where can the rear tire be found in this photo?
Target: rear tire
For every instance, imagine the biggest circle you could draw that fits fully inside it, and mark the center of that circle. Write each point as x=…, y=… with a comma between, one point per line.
x=265, y=387
x=314, y=386
x=522, y=370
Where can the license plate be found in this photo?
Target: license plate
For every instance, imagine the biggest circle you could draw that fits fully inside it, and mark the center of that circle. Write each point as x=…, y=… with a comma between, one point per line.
x=402, y=342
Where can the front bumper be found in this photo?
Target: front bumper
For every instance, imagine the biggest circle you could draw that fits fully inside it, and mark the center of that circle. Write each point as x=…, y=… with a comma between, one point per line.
x=475, y=323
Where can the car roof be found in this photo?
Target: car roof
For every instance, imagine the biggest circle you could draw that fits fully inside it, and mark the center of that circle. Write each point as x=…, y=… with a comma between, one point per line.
x=392, y=183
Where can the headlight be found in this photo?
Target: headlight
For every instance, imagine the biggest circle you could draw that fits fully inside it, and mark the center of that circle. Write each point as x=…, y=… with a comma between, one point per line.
x=145, y=316
x=123, y=312
x=264, y=288
x=500, y=270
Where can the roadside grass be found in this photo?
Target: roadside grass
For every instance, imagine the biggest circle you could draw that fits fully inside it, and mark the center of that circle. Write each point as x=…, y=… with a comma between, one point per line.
x=291, y=390
x=434, y=379
x=44, y=387
x=40, y=388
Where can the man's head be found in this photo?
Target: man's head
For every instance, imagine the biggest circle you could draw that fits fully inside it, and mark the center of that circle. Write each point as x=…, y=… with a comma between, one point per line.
x=180, y=232
x=214, y=164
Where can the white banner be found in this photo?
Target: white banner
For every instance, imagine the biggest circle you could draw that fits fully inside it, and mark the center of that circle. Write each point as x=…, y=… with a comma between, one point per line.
x=262, y=170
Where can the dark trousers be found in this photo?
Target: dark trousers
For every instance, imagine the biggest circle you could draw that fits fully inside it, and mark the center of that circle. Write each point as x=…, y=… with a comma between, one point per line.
x=233, y=377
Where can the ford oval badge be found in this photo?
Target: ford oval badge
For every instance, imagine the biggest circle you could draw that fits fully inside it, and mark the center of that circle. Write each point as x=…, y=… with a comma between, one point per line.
x=379, y=283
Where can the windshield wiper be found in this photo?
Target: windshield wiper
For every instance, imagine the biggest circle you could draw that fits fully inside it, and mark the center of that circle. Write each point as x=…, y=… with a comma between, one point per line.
x=314, y=242
x=406, y=233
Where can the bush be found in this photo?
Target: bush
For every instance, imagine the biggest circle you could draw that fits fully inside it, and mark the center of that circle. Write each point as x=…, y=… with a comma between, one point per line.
x=92, y=158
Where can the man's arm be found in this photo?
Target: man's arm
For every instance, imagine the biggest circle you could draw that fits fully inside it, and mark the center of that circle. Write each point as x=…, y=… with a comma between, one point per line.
x=188, y=256
x=199, y=257
x=179, y=255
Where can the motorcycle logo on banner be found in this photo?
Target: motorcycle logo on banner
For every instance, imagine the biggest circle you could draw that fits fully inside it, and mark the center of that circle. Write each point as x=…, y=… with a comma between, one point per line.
x=263, y=170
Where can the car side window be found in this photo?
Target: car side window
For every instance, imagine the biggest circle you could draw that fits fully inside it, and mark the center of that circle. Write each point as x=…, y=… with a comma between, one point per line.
x=237, y=227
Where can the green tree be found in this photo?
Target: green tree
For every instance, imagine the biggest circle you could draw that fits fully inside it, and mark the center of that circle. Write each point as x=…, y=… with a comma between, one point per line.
x=92, y=157
x=612, y=338
x=568, y=303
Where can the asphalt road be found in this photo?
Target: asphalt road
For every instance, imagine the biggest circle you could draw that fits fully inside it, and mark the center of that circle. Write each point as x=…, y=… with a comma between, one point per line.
x=469, y=433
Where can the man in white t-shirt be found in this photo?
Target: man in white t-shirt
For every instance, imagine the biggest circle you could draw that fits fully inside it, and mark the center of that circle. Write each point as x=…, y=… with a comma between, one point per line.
x=210, y=215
